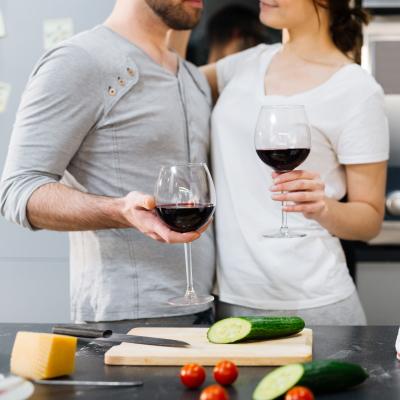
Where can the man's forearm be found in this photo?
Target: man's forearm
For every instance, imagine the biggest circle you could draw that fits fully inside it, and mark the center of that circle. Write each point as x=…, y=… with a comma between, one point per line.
x=60, y=208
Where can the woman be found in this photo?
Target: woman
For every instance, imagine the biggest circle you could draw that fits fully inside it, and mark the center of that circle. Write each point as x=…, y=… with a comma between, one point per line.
x=317, y=66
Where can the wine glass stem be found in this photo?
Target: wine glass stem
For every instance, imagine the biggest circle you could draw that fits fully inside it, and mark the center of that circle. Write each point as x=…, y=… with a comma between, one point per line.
x=189, y=270
x=284, y=225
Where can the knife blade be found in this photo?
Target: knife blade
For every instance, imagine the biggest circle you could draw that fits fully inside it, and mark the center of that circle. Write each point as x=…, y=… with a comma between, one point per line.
x=100, y=335
x=88, y=383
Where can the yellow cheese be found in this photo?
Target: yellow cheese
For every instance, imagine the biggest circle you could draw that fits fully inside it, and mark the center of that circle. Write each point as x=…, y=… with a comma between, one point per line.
x=43, y=355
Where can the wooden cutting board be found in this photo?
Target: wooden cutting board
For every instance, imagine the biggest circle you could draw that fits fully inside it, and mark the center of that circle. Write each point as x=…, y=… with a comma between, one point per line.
x=297, y=348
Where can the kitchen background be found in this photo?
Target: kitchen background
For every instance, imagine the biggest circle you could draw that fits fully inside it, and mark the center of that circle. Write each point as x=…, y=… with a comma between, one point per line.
x=34, y=276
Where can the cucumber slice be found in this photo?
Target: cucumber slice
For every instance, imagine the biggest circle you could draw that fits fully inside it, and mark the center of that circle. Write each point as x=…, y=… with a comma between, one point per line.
x=278, y=382
x=237, y=329
x=229, y=330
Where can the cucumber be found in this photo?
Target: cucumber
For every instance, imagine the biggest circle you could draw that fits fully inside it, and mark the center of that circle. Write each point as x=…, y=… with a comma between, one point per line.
x=319, y=376
x=278, y=382
x=238, y=329
x=330, y=375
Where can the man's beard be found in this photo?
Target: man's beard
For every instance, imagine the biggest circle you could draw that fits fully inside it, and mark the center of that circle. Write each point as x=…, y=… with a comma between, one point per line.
x=175, y=16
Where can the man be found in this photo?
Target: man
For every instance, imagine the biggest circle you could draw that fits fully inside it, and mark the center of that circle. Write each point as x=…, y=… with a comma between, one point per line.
x=105, y=110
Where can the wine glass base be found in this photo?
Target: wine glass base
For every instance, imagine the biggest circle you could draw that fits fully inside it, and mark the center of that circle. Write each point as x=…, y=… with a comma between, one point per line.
x=192, y=300
x=284, y=235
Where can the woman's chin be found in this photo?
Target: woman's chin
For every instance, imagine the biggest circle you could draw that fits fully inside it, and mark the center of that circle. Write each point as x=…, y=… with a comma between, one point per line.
x=271, y=21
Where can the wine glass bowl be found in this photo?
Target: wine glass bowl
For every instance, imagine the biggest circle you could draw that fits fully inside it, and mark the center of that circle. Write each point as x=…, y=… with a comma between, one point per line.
x=283, y=142
x=185, y=202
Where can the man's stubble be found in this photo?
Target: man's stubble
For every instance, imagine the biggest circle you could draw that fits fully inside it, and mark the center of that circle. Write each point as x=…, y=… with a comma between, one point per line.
x=174, y=14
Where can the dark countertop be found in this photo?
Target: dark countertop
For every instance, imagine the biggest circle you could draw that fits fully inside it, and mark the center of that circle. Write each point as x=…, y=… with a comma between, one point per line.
x=372, y=347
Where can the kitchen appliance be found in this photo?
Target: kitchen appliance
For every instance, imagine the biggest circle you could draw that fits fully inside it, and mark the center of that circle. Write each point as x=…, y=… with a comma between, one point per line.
x=381, y=57
x=107, y=336
x=284, y=351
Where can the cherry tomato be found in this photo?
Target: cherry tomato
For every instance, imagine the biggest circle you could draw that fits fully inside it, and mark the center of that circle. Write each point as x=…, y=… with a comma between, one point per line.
x=214, y=392
x=225, y=372
x=193, y=375
x=299, y=393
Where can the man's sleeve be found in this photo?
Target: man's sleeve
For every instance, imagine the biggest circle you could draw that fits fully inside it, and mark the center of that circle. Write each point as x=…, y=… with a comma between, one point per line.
x=60, y=106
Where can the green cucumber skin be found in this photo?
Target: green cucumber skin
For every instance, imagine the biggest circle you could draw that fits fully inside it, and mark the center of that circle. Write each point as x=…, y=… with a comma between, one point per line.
x=273, y=327
x=331, y=376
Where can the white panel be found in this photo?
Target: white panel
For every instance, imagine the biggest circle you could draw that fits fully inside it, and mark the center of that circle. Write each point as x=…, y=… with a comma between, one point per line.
x=379, y=289
x=34, y=291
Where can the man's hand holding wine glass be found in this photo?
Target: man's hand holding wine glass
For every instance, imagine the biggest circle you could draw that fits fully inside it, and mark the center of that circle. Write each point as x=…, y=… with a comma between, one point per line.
x=304, y=190
x=139, y=211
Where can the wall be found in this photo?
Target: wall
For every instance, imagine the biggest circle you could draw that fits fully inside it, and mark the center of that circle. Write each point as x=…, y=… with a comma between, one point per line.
x=34, y=278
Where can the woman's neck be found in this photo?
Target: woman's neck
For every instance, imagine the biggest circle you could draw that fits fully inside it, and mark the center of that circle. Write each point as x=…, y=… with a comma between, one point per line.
x=313, y=43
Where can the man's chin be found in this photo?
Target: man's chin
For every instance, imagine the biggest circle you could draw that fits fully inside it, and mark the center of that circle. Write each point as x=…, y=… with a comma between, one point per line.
x=184, y=25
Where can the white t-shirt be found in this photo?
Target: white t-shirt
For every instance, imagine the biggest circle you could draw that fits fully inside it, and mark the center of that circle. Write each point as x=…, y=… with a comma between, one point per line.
x=349, y=126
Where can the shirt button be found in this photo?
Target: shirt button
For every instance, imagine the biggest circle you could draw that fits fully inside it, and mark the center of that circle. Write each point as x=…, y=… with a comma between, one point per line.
x=121, y=81
x=112, y=91
x=131, y=71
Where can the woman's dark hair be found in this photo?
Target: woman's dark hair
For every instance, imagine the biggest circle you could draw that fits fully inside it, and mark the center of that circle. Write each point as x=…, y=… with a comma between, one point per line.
x=241, y=22
x=346, y=25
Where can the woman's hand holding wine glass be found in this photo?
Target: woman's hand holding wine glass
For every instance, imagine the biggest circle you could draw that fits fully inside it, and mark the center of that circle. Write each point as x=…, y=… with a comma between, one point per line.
x=305, y=191
x=283, y=142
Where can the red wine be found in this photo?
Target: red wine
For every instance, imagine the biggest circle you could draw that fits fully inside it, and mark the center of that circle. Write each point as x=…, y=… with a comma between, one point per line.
x=185, y=217
x=282, y=160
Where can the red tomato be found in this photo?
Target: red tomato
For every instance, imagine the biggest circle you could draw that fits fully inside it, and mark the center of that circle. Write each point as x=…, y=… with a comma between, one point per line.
x=299, y=393
x=214, y=392
x=225, y=372
x=193, y=375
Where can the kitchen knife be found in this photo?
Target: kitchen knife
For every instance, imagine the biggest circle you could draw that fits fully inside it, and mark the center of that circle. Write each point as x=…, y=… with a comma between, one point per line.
x=88, y=332
x=88, y=383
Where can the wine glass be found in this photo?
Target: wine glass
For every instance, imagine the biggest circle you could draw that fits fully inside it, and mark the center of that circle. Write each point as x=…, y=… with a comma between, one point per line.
x=283, y=141
x=185, y=202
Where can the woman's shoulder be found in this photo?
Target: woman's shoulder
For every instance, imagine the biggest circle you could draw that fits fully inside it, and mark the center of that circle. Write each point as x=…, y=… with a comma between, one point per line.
x=360, y=82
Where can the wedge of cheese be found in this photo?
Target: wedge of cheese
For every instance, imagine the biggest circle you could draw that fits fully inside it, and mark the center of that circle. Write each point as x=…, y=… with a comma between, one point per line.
x=43, y=355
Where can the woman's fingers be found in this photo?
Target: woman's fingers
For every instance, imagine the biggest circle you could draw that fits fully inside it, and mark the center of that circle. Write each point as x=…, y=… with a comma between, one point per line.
x=298, y=185
x=303, y=190
x=299, y=197
x=293, y=176
x=306, y=208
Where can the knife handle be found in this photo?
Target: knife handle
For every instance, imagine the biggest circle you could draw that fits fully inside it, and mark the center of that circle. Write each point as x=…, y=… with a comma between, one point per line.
x=85, y=331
